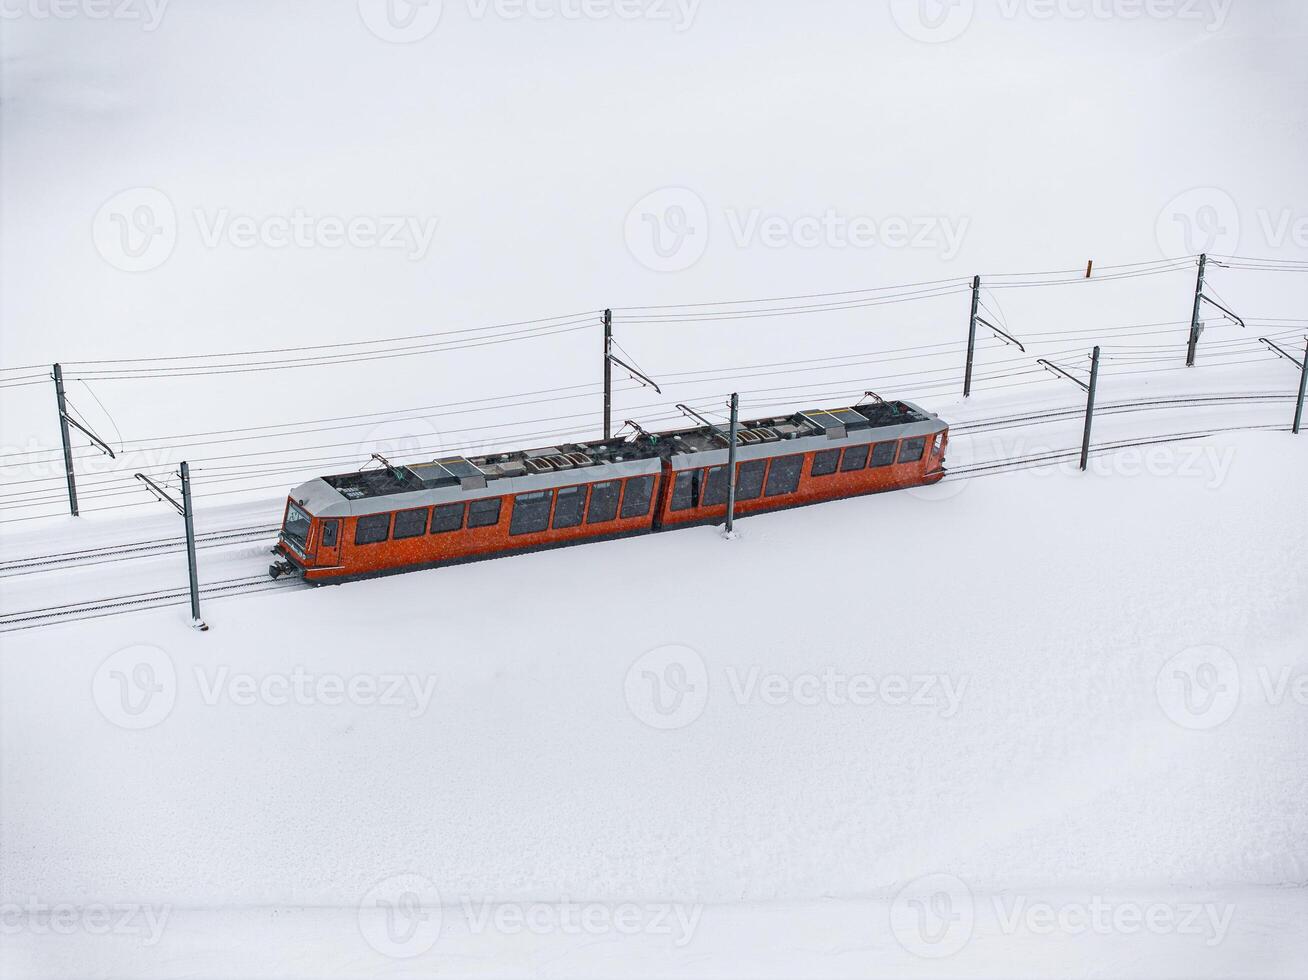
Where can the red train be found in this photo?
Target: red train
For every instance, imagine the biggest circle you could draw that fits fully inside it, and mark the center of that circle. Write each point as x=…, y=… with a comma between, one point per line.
x=402, y=518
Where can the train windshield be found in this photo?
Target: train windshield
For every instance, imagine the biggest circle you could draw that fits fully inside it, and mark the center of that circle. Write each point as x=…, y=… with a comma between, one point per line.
x=296, y=529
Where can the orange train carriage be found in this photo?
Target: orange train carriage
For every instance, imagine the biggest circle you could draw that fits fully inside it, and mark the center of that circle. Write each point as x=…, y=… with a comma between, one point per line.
x=400, y=518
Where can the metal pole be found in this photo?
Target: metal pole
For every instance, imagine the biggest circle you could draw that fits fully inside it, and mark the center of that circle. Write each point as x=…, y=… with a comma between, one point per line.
x=731, y=464
x=971, y=336
x=1198, y=307
x=196, y=621
x=1090, y=409
x=1303, y=386
x=63, y=432
x=608, y=374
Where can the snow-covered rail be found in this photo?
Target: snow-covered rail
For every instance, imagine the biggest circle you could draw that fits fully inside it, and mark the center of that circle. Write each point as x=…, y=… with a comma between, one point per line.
x=134, y=549
x=94, y=608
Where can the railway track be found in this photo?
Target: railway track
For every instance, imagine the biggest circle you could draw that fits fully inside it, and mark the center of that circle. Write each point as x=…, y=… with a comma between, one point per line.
x=1120, y=408
x=109, y=606
x=1054, y=456
x=137, y=549
x=145, y=549
x=95, y=608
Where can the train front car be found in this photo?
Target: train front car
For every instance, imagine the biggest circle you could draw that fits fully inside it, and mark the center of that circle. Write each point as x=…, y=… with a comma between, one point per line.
x=401, y=518
x=805, y=458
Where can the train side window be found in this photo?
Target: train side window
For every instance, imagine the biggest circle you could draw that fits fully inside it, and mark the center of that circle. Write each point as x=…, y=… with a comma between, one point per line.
x=683, y=491
x=749, y=483
x=484, y=513
x=883, y=454
x=825, y=463
x=855, y=459
x=604, y=502
x=448, y=517
x=330, y=529
x=410, y=524
x=783, y=476
x=570, y=507
x=531, y=512
x=372, y=529
x=635, y=502
x=911, y=450
x=715, y=487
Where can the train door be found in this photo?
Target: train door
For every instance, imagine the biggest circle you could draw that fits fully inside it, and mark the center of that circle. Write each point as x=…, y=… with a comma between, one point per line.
x=329, y=543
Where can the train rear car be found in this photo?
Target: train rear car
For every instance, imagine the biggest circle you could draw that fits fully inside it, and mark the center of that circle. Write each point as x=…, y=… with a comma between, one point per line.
x=806, y=458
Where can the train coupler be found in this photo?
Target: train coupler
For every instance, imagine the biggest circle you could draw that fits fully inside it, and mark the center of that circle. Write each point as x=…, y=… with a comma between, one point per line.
x=279, y=568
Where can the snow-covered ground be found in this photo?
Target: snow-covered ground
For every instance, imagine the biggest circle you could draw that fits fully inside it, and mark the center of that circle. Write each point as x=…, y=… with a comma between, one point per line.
x=1026, y=724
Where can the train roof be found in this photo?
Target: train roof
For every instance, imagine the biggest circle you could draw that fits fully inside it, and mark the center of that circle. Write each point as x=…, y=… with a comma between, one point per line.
x=460, y=477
